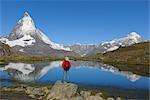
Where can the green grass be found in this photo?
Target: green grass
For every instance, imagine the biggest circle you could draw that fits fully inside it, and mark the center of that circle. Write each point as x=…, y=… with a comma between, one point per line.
x=137, y=54
x=28, y=59
x=31, y=59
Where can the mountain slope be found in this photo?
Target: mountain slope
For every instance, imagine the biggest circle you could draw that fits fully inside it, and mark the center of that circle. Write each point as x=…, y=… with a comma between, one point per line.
x=138, y=53
x=83, y=49
x=132, y=38
x=5, y=50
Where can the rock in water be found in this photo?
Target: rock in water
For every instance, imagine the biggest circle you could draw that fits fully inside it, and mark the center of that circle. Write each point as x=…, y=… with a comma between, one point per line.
x=62, y=90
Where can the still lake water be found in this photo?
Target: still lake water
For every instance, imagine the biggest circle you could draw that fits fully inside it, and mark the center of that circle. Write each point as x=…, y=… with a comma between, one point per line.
x=81, y=72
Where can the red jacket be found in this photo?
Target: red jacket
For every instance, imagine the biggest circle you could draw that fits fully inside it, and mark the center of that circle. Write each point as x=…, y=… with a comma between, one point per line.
x=66, y=65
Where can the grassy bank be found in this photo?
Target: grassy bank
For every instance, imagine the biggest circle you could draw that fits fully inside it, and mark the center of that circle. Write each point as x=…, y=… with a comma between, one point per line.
x=28, y=59
x=134, y=58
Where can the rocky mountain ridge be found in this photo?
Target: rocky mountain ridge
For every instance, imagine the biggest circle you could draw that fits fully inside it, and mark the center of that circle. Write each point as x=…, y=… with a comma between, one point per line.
x=104, y=47
x=27, y=38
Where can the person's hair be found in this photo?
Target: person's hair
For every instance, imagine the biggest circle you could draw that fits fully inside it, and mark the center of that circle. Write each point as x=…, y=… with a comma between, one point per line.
x=66, y=58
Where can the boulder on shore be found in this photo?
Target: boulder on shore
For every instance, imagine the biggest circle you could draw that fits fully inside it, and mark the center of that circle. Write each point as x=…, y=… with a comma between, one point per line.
x=62, y=90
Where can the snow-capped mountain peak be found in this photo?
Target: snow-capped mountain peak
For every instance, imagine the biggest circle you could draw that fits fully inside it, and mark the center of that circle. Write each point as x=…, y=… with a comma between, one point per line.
x=130, y=39
x=135, y=36
x=27, y=23
x=26, y=14
x=26, y=28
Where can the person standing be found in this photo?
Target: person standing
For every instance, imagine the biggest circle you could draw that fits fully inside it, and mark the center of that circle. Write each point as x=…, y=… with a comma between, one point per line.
x=66, y=65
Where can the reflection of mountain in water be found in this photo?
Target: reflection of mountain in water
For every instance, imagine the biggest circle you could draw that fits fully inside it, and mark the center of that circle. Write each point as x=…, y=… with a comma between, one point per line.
x=130, y=76
x=31, y=72
x=28, y=72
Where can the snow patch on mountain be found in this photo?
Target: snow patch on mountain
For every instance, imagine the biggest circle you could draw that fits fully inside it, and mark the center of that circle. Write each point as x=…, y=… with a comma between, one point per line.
x=24, y=41
x=112, y=48
x=21, y=50
x=132, y=38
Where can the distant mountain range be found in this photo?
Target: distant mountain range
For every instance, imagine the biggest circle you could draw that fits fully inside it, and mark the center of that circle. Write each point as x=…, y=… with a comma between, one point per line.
x=132, y=38
x=25, y=37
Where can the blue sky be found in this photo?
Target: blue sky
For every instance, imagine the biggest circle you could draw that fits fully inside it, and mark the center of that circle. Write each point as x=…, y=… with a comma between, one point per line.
x=79, y=21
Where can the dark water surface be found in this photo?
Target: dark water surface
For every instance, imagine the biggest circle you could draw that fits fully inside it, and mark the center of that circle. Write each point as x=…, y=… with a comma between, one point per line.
x=81, y=72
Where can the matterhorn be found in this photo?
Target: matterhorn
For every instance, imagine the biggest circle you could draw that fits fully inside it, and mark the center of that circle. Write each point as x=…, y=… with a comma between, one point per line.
x=26, y=37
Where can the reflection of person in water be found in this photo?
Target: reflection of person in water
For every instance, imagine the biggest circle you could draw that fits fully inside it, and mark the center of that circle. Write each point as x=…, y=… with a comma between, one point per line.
x=66, y=66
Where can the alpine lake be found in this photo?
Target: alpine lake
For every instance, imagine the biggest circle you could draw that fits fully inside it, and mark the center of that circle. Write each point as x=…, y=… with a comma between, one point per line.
x=86, y=74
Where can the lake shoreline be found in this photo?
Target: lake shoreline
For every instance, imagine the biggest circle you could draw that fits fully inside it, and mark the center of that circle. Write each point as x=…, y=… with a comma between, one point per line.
x=38, y=92
x=107, y=91
x=92, y=91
